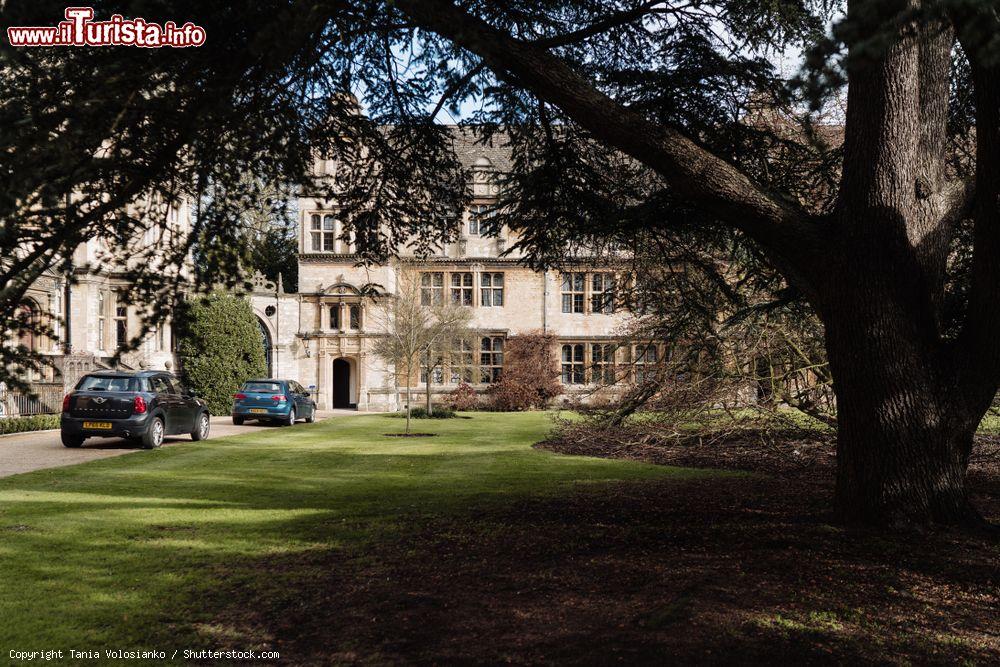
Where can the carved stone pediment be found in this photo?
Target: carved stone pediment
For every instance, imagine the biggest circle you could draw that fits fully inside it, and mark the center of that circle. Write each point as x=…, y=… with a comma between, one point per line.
x=339, y=288
x=261, y=285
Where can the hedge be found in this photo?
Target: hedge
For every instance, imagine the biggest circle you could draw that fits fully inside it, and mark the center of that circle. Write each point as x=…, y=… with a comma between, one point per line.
x=25, y=424
x=440, y=412
x=219, y=348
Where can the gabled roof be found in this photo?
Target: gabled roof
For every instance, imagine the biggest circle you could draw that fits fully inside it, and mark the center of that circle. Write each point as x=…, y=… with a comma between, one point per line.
x=470, y=148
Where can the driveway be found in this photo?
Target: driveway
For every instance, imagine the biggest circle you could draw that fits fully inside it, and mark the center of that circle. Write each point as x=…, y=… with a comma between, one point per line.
x=24, y=452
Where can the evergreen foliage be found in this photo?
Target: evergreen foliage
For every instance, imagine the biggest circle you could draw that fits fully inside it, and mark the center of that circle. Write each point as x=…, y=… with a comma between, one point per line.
x=220, y=348
x=30, y=423
x=274, y=253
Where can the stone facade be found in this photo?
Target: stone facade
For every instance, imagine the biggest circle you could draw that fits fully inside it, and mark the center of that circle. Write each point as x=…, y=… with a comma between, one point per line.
x=89, y=323
x=333, y=351
x=324, y=335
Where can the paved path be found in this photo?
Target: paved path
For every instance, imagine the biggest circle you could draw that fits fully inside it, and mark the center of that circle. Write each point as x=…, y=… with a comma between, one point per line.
x=24, y=452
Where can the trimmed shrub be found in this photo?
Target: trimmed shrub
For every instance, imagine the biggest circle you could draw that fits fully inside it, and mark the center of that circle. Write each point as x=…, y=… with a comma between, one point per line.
x=463, y=398
x=25, y=424
x=219, y=348
x=440, y=412
x=530, y=377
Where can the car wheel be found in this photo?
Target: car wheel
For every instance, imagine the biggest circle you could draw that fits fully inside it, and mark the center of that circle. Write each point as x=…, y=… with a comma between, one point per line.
x=71, y=441
x=312, y=416
x=202, y=425
x=290, y=420
x=237, y=421
x=153, y=437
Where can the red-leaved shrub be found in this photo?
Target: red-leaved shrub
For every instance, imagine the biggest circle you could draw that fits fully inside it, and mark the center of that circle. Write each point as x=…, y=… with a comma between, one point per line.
x=463, y=398
x=530, y=377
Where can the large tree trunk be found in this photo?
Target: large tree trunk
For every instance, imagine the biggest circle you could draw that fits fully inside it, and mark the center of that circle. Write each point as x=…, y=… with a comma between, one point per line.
x=905, y=420
x=905, y=427
x=904, y=437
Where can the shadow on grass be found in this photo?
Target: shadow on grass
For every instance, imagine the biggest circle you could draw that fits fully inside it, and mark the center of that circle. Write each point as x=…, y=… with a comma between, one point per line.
x=704, y=571
x=125, y=550
x=341, y=546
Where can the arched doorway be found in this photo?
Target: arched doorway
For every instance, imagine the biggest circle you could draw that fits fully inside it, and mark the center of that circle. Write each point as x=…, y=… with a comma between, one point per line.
x=265, y=341
x=29, y=313
x=341, y=383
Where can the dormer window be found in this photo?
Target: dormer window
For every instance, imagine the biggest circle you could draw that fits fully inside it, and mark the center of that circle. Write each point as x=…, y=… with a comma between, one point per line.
x=477, y=220
x=484, y=178
x=322, y=232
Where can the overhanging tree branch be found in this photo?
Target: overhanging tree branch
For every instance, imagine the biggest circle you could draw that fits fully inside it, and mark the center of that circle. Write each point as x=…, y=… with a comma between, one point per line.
x=692, y=172
x=596, y=28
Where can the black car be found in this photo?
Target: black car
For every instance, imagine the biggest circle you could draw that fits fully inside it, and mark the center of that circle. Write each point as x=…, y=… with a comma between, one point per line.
x=143, y=406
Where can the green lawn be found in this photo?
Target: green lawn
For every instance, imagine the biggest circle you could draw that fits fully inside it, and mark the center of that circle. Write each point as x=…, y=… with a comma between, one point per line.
x=132, y=551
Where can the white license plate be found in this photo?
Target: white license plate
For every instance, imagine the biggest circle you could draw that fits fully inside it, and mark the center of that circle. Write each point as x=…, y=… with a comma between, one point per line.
x=97, y=425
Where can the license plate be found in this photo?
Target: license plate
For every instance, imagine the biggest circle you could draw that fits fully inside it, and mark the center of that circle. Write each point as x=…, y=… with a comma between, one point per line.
x=97, y=425
x=258, y=411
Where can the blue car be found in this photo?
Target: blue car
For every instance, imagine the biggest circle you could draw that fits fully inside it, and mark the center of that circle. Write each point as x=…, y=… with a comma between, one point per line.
x=277, y=401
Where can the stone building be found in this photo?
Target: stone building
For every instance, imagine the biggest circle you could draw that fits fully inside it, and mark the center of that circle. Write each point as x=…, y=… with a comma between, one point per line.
x=324, y=335
x=89, y=321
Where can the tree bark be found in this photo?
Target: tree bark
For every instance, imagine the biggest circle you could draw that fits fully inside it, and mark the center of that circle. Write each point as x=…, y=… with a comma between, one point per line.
x=428, y=384
x=905, y=431
x=408, y=399
x=905, y=424
x=978, y=351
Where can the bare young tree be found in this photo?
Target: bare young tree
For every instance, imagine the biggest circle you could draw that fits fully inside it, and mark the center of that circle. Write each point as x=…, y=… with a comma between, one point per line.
x=454, y=353
x=415, y=326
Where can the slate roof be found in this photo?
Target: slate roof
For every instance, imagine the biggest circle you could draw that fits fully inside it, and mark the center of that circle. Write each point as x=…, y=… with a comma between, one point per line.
x=469, y=148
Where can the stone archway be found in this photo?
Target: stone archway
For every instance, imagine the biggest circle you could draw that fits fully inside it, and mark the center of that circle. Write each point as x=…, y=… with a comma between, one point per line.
x=265, y=341
x=342, y=394
x=30, y=312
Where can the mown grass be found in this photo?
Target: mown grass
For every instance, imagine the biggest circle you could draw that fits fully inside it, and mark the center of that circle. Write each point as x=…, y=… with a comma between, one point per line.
x=131, y=551
x=990, y=425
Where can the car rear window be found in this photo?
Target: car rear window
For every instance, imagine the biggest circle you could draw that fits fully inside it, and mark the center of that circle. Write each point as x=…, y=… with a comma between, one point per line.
x=261, y=387
x=109, y=383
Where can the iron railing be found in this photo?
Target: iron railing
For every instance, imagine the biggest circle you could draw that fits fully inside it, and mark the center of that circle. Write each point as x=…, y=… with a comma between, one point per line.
x=44, y=398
